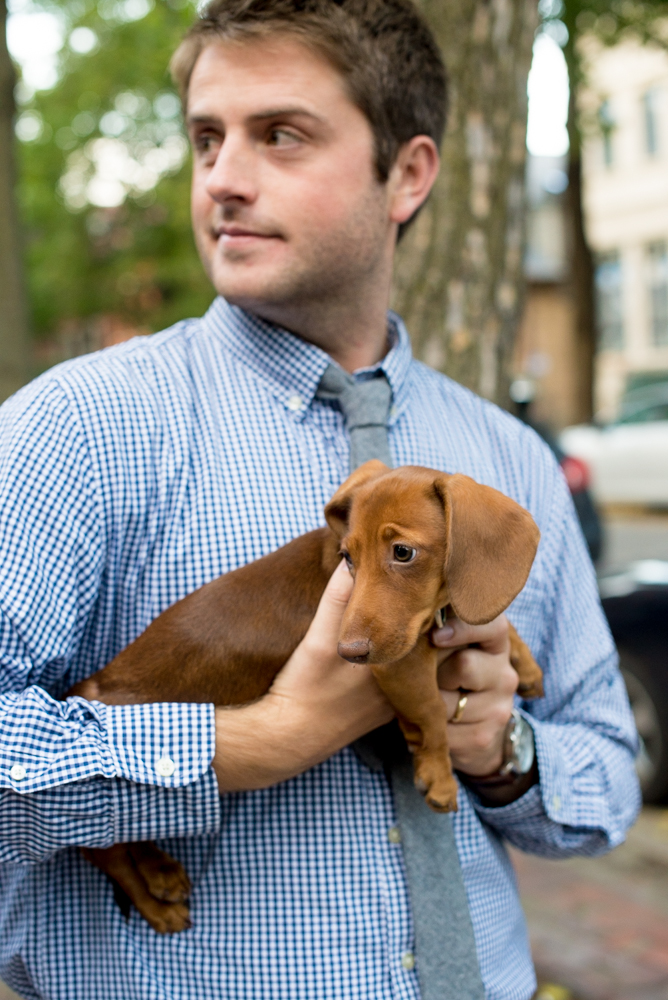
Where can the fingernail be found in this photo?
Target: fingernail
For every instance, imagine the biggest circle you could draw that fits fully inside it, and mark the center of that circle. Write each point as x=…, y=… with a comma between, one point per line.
x=446, y=632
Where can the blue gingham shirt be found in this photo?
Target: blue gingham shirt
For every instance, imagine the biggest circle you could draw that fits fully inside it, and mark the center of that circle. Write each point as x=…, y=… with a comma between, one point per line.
x=127, y=479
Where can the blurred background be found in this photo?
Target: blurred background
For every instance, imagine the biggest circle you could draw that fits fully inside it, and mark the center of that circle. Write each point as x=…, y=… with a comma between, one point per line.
x=537, y=275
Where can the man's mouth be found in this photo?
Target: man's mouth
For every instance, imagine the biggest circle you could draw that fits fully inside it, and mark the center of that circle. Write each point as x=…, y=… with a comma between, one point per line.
x=234, y=235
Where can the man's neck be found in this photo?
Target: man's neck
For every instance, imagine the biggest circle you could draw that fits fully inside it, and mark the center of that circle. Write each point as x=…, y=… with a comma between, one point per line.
x=351, y=329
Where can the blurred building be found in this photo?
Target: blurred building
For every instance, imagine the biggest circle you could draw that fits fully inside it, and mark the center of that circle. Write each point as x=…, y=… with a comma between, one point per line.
x=626, y=203
x=544, y=352
x=625, y=162
x=81, y=336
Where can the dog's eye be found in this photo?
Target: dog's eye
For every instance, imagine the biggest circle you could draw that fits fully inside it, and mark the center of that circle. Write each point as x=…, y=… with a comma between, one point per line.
x=346, y=556
x=404, y=553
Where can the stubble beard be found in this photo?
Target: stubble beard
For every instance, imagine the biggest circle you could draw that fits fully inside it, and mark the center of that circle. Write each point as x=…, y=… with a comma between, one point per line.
x=326, y=274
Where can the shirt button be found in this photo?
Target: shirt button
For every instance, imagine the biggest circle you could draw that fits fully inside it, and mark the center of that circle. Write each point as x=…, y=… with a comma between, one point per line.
x=394, y=835
x=408, y=960
x=393, y=412
x=556, y=803
x=295, y=403
x=165, y=767
x=18, y=772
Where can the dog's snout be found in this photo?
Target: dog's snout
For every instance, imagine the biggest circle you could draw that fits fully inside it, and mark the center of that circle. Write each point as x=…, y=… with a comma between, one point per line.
x=355, y=652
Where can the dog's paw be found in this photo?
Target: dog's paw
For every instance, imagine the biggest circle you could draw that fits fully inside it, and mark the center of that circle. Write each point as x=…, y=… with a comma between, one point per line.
x=442, y=797
x=531, y=689
x=165, y=878
x=436, y=782
x=165, y=918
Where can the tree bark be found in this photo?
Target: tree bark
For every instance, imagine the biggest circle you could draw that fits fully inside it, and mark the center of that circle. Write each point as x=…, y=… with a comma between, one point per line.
x=14, y=340
x=580, y=258
x=459, y=277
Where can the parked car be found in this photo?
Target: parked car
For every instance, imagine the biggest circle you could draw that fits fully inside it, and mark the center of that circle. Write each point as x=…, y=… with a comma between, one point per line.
x=575, y=470
x=628, y=459
x=635, y=601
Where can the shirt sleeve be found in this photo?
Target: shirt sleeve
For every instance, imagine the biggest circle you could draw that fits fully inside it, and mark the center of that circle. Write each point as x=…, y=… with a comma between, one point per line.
x=71, y=771
x=588, y=793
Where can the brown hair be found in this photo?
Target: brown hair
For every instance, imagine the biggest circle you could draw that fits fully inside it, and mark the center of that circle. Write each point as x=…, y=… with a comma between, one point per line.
x=383, y=49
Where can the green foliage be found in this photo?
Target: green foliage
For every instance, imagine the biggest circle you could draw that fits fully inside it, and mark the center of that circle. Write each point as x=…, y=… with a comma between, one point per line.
x=610, y=22
x=569, y=21
x=136, y=260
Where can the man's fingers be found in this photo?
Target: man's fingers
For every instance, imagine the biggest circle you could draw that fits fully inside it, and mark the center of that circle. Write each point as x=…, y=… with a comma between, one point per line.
x=493, y=637
x=326, y=624
x=477, y=670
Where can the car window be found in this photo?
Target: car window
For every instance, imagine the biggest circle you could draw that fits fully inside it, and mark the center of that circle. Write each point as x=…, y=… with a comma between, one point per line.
x=645, y=415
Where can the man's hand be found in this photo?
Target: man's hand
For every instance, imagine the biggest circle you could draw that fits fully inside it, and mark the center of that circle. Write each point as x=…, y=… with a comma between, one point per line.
x=485, y=671
x=317, y=704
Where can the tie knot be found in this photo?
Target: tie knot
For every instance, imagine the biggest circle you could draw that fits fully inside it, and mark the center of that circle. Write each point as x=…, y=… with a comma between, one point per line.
x=363, y=404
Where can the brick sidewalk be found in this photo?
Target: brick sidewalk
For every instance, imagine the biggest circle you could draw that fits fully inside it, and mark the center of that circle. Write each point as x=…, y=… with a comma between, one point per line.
x=599, y=927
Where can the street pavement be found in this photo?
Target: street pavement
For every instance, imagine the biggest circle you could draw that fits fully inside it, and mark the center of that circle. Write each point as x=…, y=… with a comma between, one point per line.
x=630, y=534
x=599, y=926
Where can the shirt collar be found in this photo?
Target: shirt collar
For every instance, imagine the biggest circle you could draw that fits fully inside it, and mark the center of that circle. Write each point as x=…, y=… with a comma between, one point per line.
x=292, y=367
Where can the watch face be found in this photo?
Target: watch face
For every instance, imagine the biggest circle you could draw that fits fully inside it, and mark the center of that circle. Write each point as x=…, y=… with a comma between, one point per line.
x=520, y=748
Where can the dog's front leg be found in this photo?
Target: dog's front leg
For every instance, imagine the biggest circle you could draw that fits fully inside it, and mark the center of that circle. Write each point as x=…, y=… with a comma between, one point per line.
x=529, y=673
x=411, y=686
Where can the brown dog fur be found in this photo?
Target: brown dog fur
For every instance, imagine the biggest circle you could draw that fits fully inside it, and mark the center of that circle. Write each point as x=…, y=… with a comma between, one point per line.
x=226, y=642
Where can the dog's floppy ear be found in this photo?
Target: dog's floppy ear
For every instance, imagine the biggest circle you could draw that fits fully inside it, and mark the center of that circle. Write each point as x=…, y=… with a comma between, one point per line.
x=491, y=544
x=337, y=510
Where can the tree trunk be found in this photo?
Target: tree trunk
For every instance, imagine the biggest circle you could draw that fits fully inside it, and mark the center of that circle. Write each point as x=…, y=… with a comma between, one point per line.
x=14, y=341
x=459, y=277
x=580, y=260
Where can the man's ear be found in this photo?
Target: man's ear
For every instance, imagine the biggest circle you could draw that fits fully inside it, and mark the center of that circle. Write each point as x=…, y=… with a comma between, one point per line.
x=491, y=545
x=411, y=177
x=337, y=510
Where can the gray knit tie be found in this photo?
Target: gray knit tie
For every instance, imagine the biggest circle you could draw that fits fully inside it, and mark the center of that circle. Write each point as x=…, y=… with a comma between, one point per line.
x=365, y=407
x=447, y=961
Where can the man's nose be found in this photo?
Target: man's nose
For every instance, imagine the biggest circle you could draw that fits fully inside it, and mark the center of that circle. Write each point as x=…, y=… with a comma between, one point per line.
x=233, y=175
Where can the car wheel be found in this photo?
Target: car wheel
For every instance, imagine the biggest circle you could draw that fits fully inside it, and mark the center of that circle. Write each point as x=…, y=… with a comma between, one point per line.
x=650, y=711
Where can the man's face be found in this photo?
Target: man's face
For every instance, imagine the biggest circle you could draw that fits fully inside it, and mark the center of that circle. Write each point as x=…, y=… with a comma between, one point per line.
x=286, y=205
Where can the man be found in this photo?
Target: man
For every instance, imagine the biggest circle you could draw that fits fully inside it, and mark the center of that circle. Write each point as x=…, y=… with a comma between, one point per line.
x=132, y=477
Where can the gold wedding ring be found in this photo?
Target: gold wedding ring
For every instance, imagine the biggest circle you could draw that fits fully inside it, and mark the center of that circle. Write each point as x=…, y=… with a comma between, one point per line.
x=461, y=705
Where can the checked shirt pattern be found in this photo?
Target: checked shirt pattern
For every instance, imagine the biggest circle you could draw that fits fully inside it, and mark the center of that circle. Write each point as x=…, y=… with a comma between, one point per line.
x=127, y=479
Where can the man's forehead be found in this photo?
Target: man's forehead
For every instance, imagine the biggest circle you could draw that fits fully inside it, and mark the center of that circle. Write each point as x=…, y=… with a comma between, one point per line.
x=263, y=76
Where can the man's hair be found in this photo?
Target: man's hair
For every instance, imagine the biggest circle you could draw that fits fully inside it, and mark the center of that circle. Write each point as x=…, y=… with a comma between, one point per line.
x=383, y=49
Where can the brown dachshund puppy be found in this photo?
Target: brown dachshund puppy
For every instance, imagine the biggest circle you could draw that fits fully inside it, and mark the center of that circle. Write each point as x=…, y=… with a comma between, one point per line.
x=418, y=542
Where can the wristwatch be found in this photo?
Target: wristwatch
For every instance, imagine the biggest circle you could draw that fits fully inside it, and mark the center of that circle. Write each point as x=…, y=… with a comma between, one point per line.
x=519, y=752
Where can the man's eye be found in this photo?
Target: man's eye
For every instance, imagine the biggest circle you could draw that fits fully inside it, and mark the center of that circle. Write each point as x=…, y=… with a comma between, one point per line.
x=205, y=144
x=404, y=553
x=282, y=137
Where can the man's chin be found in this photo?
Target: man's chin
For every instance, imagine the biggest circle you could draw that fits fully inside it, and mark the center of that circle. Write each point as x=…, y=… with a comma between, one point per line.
x=260, y=292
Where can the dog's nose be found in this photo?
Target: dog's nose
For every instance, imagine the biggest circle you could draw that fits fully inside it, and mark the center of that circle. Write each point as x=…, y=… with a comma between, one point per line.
x=356, y=652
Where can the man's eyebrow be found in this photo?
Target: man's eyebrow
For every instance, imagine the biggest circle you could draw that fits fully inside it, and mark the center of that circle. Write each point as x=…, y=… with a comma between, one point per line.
x=258, y=116
x=284, y=112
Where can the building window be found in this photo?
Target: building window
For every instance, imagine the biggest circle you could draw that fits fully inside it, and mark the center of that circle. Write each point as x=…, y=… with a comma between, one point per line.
x=650, y=103
x=609, y=316
x=607, y=125
x=657, y=268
